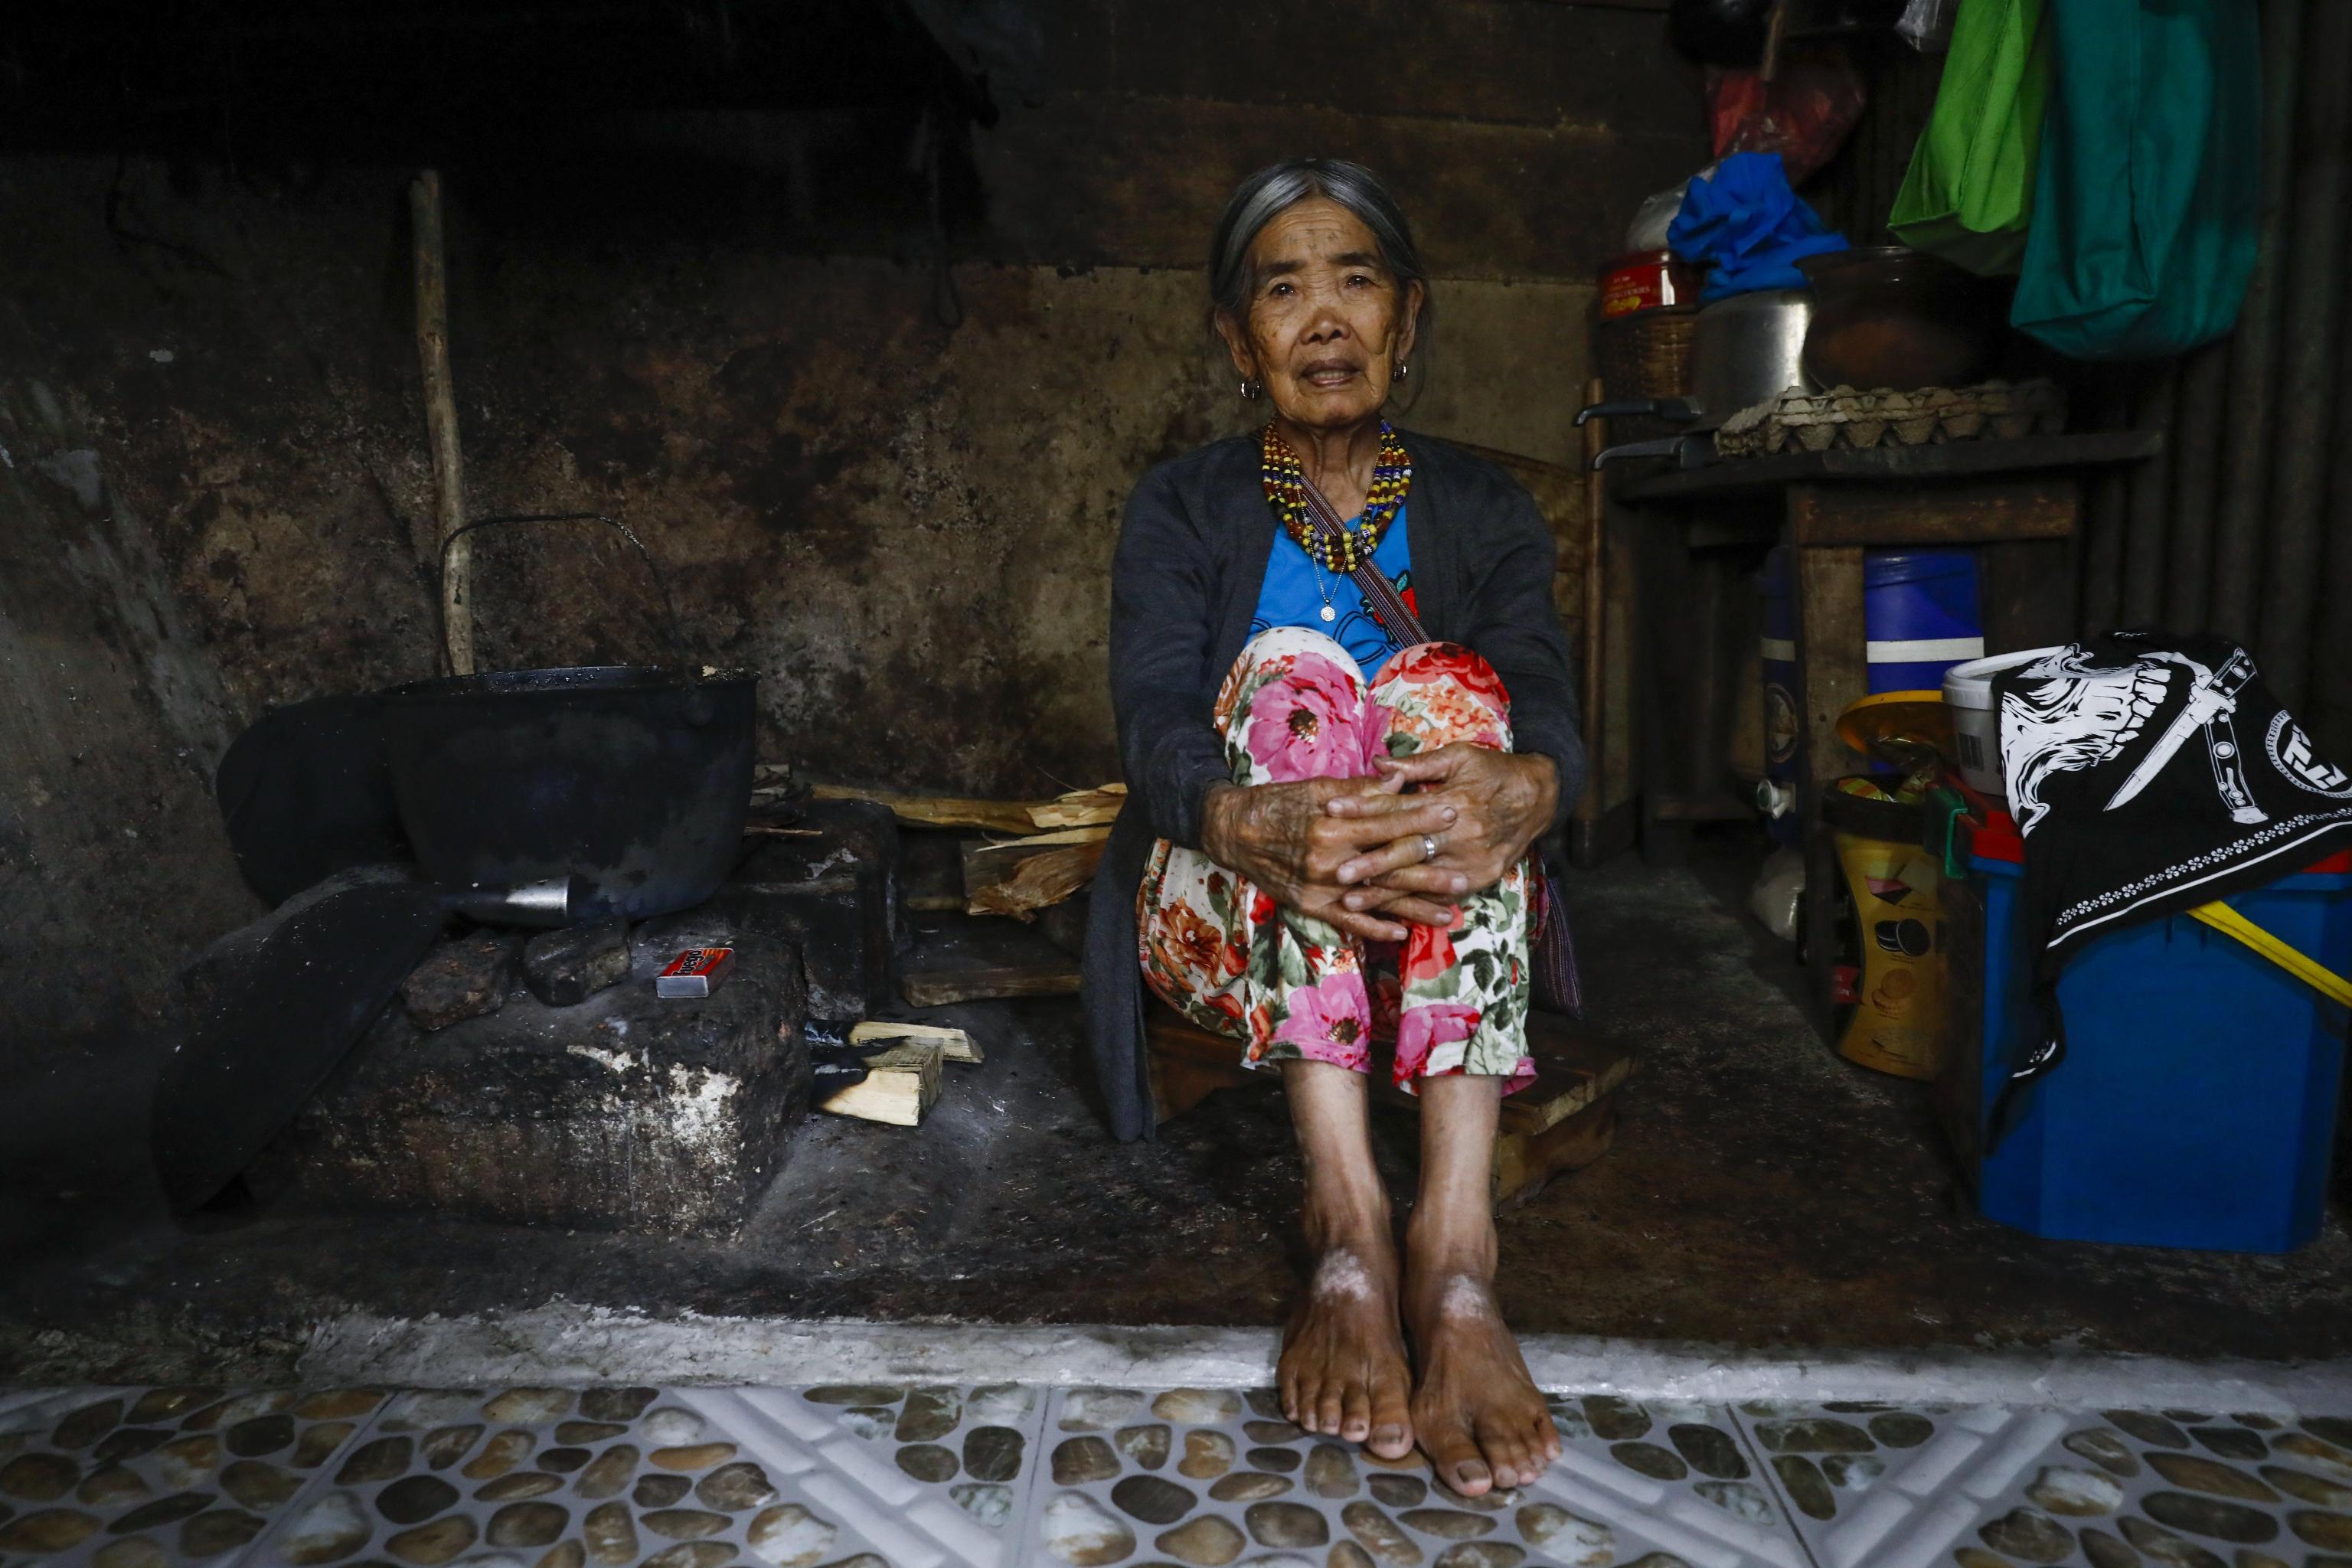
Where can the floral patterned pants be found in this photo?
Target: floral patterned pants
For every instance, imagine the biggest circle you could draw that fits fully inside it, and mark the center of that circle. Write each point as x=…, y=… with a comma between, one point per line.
x=1231, y=960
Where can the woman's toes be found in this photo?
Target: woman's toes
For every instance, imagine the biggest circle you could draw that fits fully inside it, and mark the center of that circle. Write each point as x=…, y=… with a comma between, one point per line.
x=1392, y=1421
x=1455, y=1457
x=1356, y=1414
x=1331, y=1410
x=1310, y=1400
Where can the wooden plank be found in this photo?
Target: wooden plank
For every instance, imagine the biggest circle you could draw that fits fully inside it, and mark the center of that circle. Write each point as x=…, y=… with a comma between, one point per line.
x=1977, y=512
x=1831, y=672
x=2027, y=591
x=939, y=988
x=940, y=811
x=972, y=959
x=1831, y=653
x=1957, y=459
x=901, y=1086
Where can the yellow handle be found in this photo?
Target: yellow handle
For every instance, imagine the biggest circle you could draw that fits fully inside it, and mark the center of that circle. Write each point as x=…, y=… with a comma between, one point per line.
x=2293, y=960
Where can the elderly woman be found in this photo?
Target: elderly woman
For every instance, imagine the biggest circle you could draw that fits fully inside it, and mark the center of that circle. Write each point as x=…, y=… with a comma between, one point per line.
x=1328, y=837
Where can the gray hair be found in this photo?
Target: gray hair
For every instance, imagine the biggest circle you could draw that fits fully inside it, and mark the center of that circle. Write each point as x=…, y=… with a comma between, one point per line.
x=1279, y=185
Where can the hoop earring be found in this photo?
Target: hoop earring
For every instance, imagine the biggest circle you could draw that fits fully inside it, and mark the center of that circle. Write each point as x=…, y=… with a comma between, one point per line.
x=1402, y=370
x=1251, y=389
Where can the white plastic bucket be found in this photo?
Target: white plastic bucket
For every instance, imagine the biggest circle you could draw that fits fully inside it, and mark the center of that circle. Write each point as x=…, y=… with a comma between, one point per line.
x=1975, y=718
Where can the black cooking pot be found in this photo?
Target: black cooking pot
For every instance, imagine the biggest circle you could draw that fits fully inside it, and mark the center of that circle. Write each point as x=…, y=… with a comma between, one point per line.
x=634, y=778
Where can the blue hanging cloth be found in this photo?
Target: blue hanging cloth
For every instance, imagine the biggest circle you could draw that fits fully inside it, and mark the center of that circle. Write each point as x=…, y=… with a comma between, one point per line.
x=1748, y=228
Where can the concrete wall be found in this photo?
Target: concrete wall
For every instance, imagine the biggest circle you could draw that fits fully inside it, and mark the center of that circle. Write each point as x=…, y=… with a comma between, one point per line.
x=728, y=331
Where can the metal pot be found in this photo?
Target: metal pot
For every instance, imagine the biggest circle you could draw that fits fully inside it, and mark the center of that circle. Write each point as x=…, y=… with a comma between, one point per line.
x=635, y=779
x=1750, y=348
x=1888, y=316
x=1747, y=349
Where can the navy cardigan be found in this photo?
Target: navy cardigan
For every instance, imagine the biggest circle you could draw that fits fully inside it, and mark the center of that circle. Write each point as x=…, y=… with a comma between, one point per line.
x=1191, y=557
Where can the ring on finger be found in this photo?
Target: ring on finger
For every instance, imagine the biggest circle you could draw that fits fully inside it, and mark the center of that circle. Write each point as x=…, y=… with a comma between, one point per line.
x=1428, y=847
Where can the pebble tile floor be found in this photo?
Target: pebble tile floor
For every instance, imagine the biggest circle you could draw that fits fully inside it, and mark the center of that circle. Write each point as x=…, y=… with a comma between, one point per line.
x=991, y=1477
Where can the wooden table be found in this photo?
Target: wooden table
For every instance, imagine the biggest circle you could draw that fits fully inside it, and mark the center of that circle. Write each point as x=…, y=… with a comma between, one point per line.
x=2018, y=500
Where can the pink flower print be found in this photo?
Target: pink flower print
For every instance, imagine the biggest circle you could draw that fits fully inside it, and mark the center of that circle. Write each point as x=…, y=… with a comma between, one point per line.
x=1426, y=1027
x=1327, y=1021
x=1307, y=724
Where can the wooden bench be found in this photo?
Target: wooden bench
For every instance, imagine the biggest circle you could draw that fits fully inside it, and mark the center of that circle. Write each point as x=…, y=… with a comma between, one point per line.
x=1563, y=1121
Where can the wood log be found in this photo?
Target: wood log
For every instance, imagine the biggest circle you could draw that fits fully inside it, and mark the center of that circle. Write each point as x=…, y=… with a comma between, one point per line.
x=1025, y=875
x=455, y=556
x=955, y=1045
x=901, y=1086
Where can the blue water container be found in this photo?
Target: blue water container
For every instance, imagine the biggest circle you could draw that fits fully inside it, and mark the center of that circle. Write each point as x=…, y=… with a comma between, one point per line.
x=2196, y=1104
x=1919, y=612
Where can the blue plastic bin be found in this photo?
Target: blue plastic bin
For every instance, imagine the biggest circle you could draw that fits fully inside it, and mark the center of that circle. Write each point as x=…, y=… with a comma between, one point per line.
x=2196, y=1104
x=1919, y=612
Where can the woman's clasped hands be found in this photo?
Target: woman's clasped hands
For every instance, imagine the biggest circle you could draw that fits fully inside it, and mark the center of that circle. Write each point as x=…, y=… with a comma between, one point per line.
x=1371, y=855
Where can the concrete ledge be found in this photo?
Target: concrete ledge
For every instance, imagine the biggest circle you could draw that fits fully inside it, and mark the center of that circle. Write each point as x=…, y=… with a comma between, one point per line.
x=562, y=1343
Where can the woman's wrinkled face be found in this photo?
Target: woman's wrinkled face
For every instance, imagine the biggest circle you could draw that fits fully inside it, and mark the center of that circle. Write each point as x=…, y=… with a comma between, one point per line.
x=1327, y=322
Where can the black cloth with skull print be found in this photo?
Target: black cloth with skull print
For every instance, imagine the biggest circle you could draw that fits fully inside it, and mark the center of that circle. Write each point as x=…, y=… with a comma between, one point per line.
x=2151, y=773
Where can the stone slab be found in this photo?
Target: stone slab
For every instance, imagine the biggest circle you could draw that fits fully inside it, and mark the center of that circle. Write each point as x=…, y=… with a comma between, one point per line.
x=624, y=1112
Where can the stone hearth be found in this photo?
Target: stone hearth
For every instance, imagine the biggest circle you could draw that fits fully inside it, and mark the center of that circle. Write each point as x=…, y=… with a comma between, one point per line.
x=622, y=1112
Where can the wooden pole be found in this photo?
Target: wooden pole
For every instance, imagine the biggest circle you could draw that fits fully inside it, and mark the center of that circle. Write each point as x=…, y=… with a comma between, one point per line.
x=1596, y=605
x=455, y=560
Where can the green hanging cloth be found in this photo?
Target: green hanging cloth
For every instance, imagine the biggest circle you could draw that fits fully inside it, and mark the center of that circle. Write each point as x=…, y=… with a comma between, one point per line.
x=1969, y=194
x=2149, y=206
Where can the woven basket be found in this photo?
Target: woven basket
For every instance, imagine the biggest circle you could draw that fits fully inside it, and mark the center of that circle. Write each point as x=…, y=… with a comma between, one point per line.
x=1646, y=353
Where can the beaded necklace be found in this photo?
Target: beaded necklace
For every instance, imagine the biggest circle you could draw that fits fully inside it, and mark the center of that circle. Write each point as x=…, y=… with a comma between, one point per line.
x=1391, y=478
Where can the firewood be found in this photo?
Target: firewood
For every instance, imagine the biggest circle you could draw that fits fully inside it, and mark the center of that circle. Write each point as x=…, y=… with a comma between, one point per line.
x=1081, y=808
x=1020, y=878
x=955, y=1045
x=940, y=810
x=901, y=1086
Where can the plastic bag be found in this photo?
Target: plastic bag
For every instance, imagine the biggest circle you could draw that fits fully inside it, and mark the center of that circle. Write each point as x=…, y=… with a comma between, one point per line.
x=1748, y=227
x=1804, y=113
x=1969, y=194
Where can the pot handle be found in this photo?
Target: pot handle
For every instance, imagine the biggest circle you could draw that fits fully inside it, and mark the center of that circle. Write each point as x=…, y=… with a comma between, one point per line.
x=669, y=605
x=1680, y=410
x=1663, y=447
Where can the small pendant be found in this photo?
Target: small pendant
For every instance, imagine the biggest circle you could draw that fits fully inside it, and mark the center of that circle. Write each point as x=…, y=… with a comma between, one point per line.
x=1329, y=613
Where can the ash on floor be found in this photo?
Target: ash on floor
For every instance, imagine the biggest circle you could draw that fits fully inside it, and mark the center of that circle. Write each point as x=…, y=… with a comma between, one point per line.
x=1761, y=1193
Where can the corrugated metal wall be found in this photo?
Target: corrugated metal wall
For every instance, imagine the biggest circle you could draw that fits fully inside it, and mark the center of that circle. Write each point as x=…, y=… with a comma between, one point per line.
x=2244, y=525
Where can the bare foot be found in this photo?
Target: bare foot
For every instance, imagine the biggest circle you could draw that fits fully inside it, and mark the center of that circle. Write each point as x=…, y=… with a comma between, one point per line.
x=1477, y=1413
x=1343, y=1372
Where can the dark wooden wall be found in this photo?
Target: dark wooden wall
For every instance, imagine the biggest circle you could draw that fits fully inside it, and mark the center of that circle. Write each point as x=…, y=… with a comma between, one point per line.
x=732, y=329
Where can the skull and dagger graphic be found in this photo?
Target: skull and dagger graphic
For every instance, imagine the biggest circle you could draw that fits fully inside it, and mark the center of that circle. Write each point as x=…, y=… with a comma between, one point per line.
x=2213, y=701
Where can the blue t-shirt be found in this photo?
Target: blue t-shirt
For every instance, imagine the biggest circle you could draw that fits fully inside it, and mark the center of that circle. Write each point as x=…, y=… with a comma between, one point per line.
x=1296, y=584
